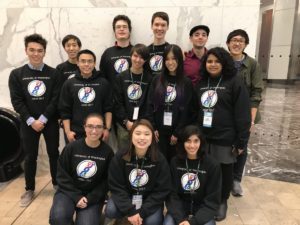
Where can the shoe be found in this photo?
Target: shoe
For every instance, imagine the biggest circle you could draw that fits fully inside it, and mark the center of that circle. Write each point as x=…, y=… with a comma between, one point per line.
x=237, y=190
x=27, y=198
x=222, y=211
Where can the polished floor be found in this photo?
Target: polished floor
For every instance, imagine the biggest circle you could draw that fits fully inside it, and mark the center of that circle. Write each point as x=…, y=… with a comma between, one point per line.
x=271, y=184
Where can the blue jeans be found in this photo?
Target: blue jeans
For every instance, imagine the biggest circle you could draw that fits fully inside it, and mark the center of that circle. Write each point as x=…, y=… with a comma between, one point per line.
x=170, y=221
x=63, y=209
x=113, y=212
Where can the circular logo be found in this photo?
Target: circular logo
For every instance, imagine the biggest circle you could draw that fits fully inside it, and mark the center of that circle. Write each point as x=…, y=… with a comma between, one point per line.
x=209, y=98
x=170, y=94
x=134, y=91
x=36, y=88
x=121, y=65
x=86, y=169
x=138, y=177
x=156, y=62
x=190, y=181
x=86, y=94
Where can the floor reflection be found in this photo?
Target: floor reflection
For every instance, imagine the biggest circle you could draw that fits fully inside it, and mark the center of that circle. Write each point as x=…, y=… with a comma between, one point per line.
x=275, y=143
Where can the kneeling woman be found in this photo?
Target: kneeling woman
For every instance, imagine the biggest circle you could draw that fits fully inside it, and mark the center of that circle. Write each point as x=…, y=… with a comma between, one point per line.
x=139, y=179
x=196, y=180
x=82, y=177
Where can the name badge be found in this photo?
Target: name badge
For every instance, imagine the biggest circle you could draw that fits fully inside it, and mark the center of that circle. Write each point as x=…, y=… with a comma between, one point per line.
x=207, y=119
x=168, y=118
x=135, y=115
x=137, y=200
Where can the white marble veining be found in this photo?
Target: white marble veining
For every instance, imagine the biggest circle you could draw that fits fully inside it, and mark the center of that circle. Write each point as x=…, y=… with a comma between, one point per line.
x=91, y=21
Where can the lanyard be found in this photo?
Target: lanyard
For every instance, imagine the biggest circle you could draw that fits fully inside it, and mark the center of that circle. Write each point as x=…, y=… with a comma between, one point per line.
x=215, y=91
x=192, y=188
x=139, y=175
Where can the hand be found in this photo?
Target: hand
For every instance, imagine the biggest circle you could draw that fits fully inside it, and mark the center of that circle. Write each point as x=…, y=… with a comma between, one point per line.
x=129, y=125
x=135, y=219
x=37, y=125
x=240, y=151
x=156, y=135
x=71, y=136
x=185, y=223
x=82, y=203
x=173, y=140
x=105, y=135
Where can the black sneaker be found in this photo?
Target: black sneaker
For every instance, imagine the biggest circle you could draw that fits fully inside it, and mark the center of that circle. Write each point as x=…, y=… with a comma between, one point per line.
x=222, y=211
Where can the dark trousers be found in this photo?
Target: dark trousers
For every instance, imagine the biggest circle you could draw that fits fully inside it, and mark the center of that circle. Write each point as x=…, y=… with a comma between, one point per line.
x=227, y=179
x=239, y=166
x=164, y=146
x=63, y=208
x=30, y=144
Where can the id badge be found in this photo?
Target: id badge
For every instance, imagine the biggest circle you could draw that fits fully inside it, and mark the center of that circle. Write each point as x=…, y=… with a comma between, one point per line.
x=137, y=200
x=207, y=119
x=135, y=115
x=168, y=118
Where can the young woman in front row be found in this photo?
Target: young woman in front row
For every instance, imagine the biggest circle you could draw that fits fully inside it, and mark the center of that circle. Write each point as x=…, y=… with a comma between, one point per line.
x=139, y=179
x=196, y=179
x=82, y=177
x=224, y=115
x=169, y=100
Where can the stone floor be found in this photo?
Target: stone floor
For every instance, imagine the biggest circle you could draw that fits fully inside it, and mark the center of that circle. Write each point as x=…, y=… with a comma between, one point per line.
x=271, y=184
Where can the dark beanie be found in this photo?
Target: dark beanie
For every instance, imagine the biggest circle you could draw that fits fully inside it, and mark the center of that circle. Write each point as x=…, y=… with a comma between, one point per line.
x=237, y=33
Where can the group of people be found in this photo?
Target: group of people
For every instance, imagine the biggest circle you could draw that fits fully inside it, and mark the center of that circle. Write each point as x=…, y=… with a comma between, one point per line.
x=177, y=122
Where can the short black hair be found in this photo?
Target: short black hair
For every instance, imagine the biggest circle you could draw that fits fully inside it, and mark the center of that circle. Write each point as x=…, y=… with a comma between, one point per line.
x=71, y=37
x=162, y=15
x=93, y=115
x=37, y=38
x=199, y=27
x=86, y=51
x=121, y=17
x=142, y=50
x=238, y=32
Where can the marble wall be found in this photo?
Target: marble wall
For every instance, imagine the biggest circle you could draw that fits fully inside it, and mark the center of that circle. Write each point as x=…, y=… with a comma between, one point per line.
x=91, y=21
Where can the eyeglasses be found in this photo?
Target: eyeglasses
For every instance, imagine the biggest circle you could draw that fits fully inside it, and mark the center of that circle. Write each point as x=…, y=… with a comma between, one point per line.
x=237, y=41
x=92, y=127
x=118, y=27
x=84, y=61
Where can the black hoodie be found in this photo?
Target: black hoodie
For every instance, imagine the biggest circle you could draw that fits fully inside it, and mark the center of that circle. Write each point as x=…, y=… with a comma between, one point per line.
x=155, y=184
x=156, y=57
x=81, y=96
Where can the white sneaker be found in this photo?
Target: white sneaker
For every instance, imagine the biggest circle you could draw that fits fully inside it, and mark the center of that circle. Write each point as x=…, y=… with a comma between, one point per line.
x=27, y=198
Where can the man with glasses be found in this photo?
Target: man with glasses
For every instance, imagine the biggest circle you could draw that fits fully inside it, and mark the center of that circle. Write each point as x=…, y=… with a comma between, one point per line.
x=83, y=94
x=250, y=72
x=34, y=91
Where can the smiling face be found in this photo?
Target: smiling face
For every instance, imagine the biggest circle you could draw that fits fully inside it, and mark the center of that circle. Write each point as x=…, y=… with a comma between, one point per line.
x=137, y=61
x=213, y=66
x=159, y=28
x=199, y=38
x=237, y=45
x=171, y=63
x=93, y=129
x=192, y=146
x=86, y=64
x=141, y=138
x=35, y=53
x=72, y=48
x=122, y=32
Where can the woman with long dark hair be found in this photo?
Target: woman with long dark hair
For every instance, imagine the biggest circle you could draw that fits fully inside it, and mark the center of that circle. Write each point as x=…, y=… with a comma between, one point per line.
x=139, y=179
x=224, y=115
x=196, y=179
x=170, y=95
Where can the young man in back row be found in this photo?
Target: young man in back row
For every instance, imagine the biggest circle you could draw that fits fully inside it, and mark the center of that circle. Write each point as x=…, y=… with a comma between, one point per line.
x=159, y=26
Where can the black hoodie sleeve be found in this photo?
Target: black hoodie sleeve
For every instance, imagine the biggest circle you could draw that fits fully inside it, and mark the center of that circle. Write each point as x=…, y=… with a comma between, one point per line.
x=150, y=102
x=65, y=105
x=64, y=179
x=17, y=96
x=118, y=186
x=212, y=197
x=161, y=189
x=174, y=204
x=103, y=66
x=121, y=113
x=242, y=113
x=99, y=192
x=107, y=97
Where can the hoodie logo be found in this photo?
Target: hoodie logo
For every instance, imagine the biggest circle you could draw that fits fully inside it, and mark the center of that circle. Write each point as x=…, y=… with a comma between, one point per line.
x=156, y=62
x=170, y=94
x=190, y=181
x=36, y=88
x=134, y=92
x=209, y=98
x=86, y=94
x=121, y=65
x=138, y=177
x=86, y=169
